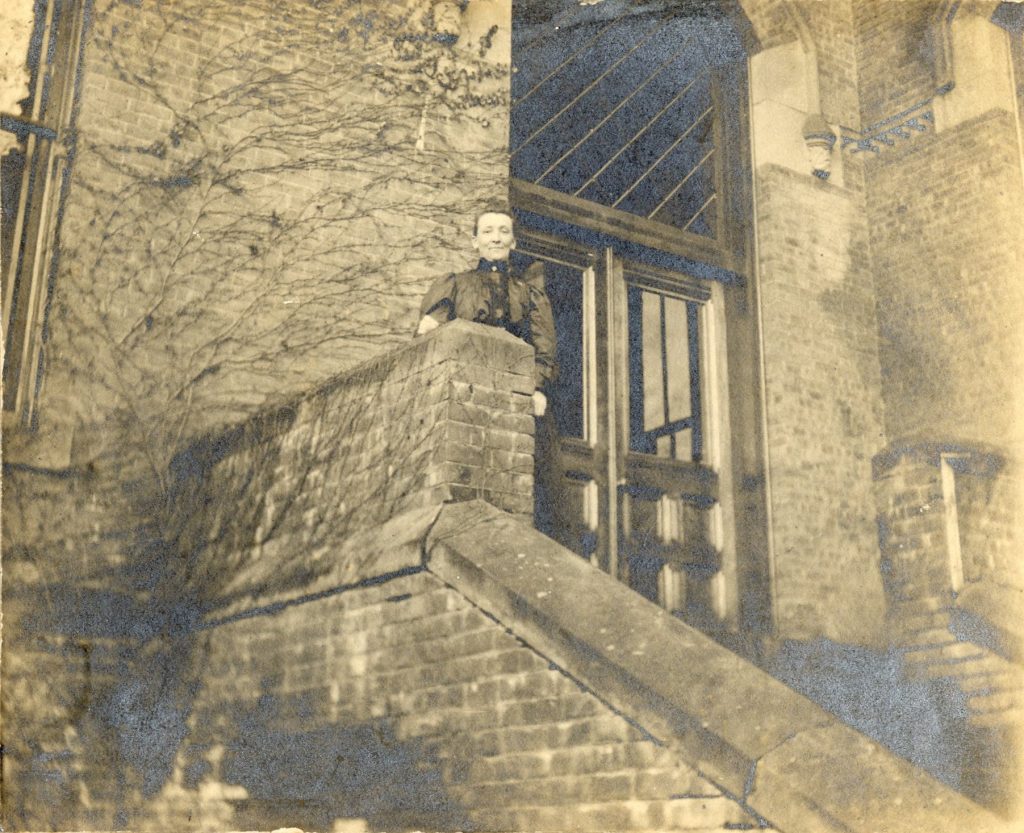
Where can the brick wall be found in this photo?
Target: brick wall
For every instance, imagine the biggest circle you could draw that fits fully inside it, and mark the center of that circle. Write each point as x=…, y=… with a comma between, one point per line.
x=404, y=705
x=895, y=62
x=823, y=406
x=261, y=193
x=835, y=36
x=273, y=507
x=947, y=246
x=69, y=628
x=273, y=503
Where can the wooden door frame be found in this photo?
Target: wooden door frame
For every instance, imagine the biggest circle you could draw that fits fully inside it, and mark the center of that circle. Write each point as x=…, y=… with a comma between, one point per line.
x=743, y=471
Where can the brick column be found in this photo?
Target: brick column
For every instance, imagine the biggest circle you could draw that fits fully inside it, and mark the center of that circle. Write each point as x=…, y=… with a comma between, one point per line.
x=912, y=525
x=919, y=526
x=487, y=380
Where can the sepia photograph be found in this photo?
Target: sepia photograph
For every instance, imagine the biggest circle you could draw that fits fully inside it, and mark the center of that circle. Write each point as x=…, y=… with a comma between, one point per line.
x=512, y=416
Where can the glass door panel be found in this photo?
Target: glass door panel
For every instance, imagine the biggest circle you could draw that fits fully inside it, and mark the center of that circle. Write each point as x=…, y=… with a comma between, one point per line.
x=566, y=488
x=664, y=375
x=625, y=483
x=565, y=287
x=668, y=495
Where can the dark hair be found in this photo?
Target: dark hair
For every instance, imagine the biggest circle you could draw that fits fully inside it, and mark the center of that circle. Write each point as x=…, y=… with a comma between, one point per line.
x=496, y=208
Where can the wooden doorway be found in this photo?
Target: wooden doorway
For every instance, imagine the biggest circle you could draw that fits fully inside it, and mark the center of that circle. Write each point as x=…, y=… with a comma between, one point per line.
x=635, y=481
x=630, y=180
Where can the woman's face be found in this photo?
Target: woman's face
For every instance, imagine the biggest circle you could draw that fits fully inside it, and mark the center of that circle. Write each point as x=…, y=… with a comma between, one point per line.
x=494, y=238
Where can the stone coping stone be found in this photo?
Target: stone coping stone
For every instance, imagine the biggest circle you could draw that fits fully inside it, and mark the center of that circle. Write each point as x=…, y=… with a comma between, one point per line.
x=768, y=747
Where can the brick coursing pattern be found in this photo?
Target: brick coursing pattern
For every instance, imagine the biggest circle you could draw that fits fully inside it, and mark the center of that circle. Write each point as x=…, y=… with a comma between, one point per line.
x=947, y=253
x=912, y=532
x=947, y=250
x=261, y=193
x=268, y=505
x=980, y=689
x=263, y=507
x=927, y=528
x=835, y=37
x=823, y=406
x=403, y=704
x=70, y=626
x=895, y=63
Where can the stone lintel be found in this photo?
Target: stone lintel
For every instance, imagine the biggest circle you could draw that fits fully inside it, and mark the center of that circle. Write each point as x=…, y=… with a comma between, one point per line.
x=968, y=458
x=767, y=746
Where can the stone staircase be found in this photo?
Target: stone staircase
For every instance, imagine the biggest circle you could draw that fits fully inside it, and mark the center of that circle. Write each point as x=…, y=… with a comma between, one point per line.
x=992, y=685
x=982, y=691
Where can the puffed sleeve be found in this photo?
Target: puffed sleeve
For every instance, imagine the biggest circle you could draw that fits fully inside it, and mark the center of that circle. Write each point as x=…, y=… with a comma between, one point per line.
x=439, y=301
x=542, y=326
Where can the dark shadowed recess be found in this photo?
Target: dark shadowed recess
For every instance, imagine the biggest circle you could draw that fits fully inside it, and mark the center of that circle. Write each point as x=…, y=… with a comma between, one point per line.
x=866, y=689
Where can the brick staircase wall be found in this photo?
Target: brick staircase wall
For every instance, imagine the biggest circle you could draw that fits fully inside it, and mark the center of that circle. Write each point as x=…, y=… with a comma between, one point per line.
x=276, y=502
x=403, y=704
x=332, y=678
x=446, y=666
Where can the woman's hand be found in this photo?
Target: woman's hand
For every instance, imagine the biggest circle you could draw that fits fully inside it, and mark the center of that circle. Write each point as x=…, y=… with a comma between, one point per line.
x=540, y=403
x=427, y=323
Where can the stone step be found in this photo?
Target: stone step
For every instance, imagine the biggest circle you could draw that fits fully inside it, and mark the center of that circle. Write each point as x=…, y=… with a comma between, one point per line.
x=999, y=701
x=950, y=653
x=1009, y=720
x=928, y=637
x=904, y=626
x=989, y=681
x=973, y=669
x=920, y=607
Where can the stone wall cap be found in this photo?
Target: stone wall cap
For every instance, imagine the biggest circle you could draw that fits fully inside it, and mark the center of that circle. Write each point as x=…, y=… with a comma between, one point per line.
x=767, y=746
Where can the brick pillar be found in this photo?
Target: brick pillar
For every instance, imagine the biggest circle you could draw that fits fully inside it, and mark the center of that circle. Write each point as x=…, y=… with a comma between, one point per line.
x=912, y=526
x=919, y=527
x=487, y=422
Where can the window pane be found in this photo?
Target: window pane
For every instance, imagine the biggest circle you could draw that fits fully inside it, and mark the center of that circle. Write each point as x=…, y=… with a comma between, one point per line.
x=653, y=389
x=565, y=289
x=664, y=383
x=617, y=107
